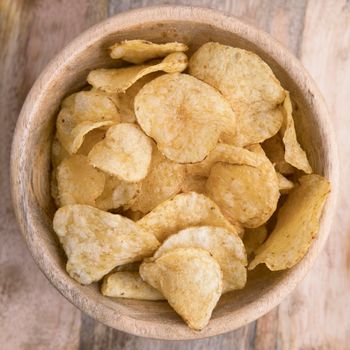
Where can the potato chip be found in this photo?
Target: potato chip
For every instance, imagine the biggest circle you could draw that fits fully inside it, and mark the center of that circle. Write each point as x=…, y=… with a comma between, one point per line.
x=139, y=51
x=163, y=181
x=297, y=225
x=78, y=182
x=226, y=154
x=116, y=80
x=126, y=99
x=133, y=215
x=182, y=211
x=190, y=279
x=125, y=152
x=129, y=285
x=248, y=83
x=58, y=153
x=81, y=113
x=183, y=115
x=294, y=154
x=117, y=193
x=284, y=184
x=253, y=238
x=227, y=249
x=274, y=150
x=244, y=193
x=96, y=241
x=194, y=184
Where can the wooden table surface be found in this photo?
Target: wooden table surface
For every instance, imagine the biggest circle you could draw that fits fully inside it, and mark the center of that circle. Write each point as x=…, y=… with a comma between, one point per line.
x=33, y=315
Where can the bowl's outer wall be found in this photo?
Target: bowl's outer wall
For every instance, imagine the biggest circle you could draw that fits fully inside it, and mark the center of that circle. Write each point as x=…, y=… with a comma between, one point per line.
x=31, y=163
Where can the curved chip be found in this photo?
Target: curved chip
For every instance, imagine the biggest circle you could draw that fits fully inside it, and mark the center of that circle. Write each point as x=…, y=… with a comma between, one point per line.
x=78, y=182
x=164, y=180
x=244, y=193
x=82, y=112
x=58, y=152
x=182, y=211
x=183, y=115
x=248, y=83
x=226, y=154
x=294, y=154
x=227, y=249
x=117, y=193
x=116, y=80
x=96, y=241
x=129, y=285
x=90, y=140
x=284, y=184
x=139, y=51
x=125, y=152
x=253, y=238
x=190, y=279
x=297, y=225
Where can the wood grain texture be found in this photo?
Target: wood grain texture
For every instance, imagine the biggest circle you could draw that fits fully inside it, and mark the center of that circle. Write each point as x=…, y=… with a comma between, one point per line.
x=35, y=316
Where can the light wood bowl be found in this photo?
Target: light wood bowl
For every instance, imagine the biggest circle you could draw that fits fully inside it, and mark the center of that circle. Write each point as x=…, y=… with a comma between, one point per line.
x=30, y=165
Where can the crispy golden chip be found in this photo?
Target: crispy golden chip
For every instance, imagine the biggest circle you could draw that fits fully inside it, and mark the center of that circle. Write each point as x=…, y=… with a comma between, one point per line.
x=284, y=184
x=227, y=249
x=163, y=181
x=182, y=211
x=274, y=149
x=254, y=238
x=120, y=79
x=194, y=184
x=78, y=182
x=226, y=154
x=129, y=285
x=297, y=225
x=248, y=83
x=82, y=112
x=125, y=152
x=190, y=279
x=294, y=154
x=96, y=241
x=117, y=193
x=244, y=193
x=139, y=51
x=183, y=115
x=126, y=99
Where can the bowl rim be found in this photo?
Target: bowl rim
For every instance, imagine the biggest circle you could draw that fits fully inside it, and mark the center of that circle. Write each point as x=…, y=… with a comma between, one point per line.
x=27, y=220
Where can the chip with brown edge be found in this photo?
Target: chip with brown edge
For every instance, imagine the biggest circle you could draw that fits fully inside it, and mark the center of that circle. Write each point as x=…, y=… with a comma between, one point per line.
x=82, y=112
x=78, y=182
x=116, y=80
x=184, y=210
x=294, y=154
x=297, y=225
x=248, y=83
x=130, y=285
x=96, y=241
x=190, y=279
x=125, y=152
x=244, y=193
x=139, y=51
x=184, y=115
x=227, y=249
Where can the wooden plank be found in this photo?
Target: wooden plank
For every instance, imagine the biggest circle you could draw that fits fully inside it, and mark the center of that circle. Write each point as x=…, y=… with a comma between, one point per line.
x=33, y=314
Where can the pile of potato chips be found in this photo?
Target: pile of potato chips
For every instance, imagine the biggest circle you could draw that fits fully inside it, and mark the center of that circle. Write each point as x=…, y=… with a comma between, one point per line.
x=175, y=177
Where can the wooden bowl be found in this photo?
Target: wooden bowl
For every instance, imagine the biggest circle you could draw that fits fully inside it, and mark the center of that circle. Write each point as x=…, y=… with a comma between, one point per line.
x=30, y=165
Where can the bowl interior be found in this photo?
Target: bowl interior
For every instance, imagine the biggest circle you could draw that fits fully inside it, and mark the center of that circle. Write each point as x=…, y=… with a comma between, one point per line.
x=68, y=74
